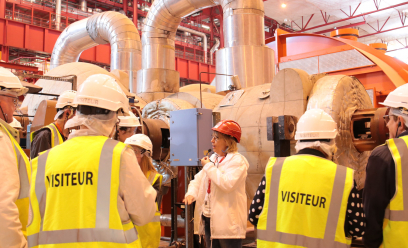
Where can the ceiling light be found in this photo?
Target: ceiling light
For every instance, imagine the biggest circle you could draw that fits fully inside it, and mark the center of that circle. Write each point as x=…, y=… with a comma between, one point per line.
x=283, y=5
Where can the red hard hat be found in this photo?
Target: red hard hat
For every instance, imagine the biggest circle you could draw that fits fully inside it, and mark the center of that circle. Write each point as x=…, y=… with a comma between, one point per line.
x=229, y=127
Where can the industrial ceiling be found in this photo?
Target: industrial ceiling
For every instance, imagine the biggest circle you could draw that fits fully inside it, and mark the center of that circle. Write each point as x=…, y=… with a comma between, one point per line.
x=378, y=20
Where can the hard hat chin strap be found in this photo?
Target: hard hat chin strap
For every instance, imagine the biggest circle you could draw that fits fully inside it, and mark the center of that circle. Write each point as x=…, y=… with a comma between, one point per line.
x=4, y=114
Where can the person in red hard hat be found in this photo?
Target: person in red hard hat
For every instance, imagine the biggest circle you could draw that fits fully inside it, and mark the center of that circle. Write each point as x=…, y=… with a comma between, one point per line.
x=219, y=190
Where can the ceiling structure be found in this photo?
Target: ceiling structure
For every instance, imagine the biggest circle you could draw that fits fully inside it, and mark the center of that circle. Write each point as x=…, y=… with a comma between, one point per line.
x=378, y=21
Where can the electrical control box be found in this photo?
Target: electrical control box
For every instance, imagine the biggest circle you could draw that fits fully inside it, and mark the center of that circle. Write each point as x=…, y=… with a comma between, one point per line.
x=190, y=136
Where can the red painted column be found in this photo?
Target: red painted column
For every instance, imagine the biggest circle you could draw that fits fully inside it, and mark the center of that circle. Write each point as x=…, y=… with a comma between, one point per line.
x=135, y=12
x=5, y=53
x=2, y=8
x=32, y=15
x=50, y=20
x=14, y=5
x=125, y=6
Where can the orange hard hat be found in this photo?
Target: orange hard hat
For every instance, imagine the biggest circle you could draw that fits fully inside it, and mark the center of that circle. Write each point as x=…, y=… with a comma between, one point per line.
x=229, y=127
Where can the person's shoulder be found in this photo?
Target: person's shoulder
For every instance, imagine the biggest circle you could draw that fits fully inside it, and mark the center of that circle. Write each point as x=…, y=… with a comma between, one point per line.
x=236, y=156
x=43, y=131
x=381, y=151
x=380, y=158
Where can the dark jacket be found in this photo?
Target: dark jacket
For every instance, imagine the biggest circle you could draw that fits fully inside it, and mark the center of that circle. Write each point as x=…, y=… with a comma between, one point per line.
x=42, y=142
x=378, y=191
x=354, y=225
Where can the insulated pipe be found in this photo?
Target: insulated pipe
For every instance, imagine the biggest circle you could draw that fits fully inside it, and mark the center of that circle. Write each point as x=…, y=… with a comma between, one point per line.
x=158, y=72
x=82, y=4
x=245, y=53
x=205, y=46
x=103, y=28
x=165, y=220
x=58, y=14
x=213, y=49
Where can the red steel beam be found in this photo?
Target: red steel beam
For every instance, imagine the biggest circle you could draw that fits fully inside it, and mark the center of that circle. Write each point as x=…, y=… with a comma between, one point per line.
x=345, y=26
x=352, y=17
x=384, y=31
x=19, y=67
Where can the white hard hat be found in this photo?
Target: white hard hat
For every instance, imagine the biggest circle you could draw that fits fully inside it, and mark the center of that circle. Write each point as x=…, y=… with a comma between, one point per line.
x=316, y=124
x=66, y=99
x=11, y=83
x=102, y=91
x=129, y=121
x=140, y=140
x=398, y=98
x=15, y=123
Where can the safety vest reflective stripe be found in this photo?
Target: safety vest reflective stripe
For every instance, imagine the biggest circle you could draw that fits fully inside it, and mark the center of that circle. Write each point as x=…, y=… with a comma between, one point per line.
x=402, y=154
x=56, y=137
x=270, y=234
x=101, y=232
x=22, y=162
x=152, y=178
x=82, y=235
x=23, y=174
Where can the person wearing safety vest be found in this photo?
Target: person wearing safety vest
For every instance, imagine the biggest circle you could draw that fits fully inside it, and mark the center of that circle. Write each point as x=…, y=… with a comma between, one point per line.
x=306, y=195
x=386, y=188
x=15, y=167
x=142, y=146
x=87, y=191
x=126, y=127
x=219, y=190
x=53, y=134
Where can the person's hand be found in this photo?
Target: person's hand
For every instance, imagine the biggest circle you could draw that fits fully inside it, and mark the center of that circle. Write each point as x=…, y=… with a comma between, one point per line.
x=205, y=160
x=188, y=200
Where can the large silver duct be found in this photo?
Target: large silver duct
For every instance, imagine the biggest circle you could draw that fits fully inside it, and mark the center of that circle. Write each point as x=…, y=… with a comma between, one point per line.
x=58, y=14
x=107, y=27
x=158, y=72
x=213, y=49
x=245, y=53
x=205, y=46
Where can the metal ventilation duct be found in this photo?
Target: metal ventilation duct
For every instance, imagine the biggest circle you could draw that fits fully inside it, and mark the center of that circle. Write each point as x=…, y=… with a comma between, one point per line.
x=107, y=27
x=245, y=53
x=214, y=48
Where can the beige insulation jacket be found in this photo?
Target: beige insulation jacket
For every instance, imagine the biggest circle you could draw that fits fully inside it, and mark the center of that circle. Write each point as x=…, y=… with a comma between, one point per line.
x=11, y=235
x=340, y=96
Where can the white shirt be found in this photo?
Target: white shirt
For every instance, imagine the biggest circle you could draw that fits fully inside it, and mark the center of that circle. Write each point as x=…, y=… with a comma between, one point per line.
x=228, y=198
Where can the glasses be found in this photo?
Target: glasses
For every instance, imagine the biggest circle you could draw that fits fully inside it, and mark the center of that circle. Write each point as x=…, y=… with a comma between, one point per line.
x=387, y=118
x=15, y=100
x=215, y=138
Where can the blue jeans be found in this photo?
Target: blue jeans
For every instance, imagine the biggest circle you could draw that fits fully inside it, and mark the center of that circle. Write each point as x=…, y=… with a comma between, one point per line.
x=218, y=243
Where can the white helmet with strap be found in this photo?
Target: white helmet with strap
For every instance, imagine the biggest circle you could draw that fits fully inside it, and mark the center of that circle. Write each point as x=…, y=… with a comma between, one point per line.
x=315, y=124
x=66, y=99
x=102, y=91
x=129, y=121
x=10, y=84
x=140, y=140
x=398, y=98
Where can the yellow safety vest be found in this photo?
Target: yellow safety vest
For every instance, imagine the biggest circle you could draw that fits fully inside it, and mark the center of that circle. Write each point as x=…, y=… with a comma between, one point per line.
x=150, y=233
x=305, y=203
x=396, y=215
x=74, y=196
x=56, y=137
x=24, y=172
